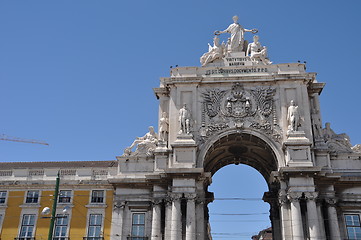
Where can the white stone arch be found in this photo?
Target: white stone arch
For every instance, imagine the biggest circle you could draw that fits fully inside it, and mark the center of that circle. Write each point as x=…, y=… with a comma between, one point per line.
x=273, y=146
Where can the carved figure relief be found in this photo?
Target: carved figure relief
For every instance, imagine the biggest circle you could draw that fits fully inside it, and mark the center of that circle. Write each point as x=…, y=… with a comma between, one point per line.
x=145, y=145
x=239, y=108
x=336, y=142
x=212, y=101
x=356, y=148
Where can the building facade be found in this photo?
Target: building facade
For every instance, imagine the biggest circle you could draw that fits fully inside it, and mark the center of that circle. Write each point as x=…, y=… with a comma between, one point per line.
x=84, y=206
x=238, y=108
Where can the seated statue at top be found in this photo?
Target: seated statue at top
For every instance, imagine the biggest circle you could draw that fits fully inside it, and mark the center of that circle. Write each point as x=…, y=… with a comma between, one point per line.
x=145, y=145
x=257, y=52
x=215, y=52
x=330, y=135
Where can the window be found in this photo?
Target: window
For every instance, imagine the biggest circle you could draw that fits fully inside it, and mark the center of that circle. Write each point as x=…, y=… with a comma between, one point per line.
x=32, y=196
x=27, y=227
x=3, y=196
x=97, y=196
x=353, y=226
x=95, y=227
x=61, y=227
x=138, y=226
x=64, y=196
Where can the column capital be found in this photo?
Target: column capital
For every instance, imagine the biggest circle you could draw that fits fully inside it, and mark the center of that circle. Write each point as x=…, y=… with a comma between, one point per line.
x=119, y=205
x=157, y=201
x=294, y=196
x=190, y=196
x=331, y=201
x=175, y=196
x=311, y=196
x=282, y=197
x=200, y=200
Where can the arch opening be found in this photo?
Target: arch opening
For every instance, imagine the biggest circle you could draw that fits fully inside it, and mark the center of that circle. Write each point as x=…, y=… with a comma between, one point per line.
x=248, y=149
x=241, y=148
x=238, y=211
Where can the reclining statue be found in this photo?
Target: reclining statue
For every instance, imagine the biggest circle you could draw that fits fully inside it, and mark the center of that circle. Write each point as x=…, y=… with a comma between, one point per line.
x=145, y=145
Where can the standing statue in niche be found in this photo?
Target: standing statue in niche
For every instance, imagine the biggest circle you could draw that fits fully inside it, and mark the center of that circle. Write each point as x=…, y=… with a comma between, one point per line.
x=145, y=145
x=257, y=52
x=163, y=128
x=214, y=53
x=293, y=117
x=184, y=120
x=237, y=35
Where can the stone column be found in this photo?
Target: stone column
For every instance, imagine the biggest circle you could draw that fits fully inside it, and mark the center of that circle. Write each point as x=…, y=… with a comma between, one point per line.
x=156, y=221
x=117, y=221
x=321, y=220
x=200, y=219
x=191, y=217
x=333, y=219
x=271, y=198
x=176, y=222
x=296, y=217
x=285, y=218
x=312, y=216
x=168, y=218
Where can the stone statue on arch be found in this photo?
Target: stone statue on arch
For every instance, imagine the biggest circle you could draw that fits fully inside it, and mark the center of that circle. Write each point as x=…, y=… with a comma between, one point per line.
x=236, y=41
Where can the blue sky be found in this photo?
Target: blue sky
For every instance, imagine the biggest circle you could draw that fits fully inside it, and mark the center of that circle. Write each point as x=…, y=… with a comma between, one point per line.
x=79, y=74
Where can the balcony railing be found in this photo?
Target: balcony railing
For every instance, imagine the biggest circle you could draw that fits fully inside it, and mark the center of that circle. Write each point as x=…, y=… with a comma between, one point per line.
x=61, y=238
x=24, y=238
x=93, y=238
x=137, y=238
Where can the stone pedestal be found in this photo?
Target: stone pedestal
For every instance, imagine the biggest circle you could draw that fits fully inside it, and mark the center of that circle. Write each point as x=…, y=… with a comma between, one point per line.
x=298, y=151
x=184, y=149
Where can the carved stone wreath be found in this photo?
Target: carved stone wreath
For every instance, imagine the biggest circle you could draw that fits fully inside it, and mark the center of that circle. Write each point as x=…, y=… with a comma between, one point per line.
x=238, y=108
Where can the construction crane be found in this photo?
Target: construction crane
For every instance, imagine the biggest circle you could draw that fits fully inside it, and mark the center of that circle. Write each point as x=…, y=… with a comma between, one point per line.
x=16, y=139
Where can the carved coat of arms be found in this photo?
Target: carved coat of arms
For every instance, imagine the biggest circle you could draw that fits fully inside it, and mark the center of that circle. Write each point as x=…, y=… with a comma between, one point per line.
x=239, y=107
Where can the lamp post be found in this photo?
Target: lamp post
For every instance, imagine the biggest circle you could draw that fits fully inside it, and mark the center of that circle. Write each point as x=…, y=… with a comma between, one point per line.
x=53, y=212
x=46, y=210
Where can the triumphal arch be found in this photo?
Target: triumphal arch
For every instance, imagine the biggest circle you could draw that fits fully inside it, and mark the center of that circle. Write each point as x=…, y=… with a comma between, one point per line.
x=238, y=108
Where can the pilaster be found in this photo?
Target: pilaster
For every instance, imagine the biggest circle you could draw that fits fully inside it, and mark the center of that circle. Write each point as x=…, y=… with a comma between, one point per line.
x=312, y=216
x=296, y=217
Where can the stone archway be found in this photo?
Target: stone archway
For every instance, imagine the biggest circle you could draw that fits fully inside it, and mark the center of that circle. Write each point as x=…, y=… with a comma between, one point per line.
x=242, y=147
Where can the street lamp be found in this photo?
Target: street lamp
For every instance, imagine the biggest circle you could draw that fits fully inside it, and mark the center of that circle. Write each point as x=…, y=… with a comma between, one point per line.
x=53, y=216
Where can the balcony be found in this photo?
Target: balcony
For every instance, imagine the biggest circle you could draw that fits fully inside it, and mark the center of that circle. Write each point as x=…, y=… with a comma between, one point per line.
x=137, y=238
x=93, y=238
x=61, y=238
x=24, y=238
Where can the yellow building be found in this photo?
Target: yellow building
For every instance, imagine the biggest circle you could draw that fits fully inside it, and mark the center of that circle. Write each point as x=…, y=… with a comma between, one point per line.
x=84, y=204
